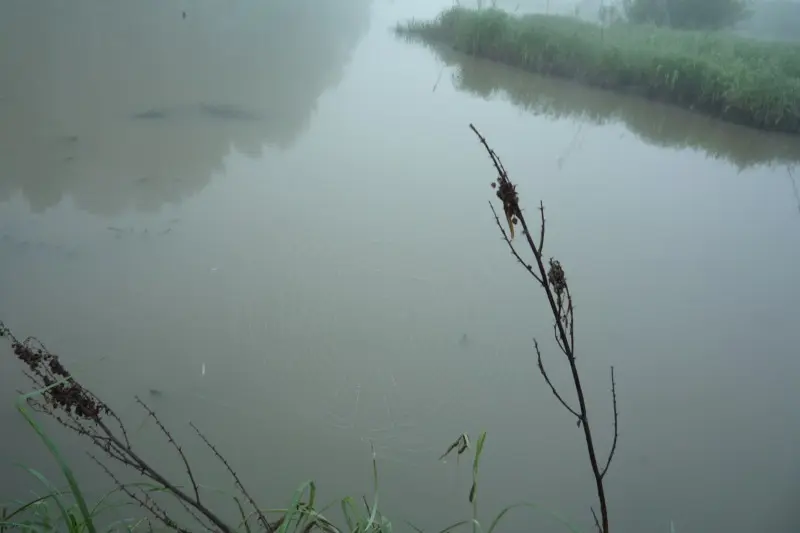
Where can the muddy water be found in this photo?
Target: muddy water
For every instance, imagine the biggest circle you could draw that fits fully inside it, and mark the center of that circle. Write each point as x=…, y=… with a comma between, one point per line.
x=271, y=219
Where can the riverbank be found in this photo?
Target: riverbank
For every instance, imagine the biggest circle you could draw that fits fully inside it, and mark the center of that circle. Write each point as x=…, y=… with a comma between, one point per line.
x=748, y=82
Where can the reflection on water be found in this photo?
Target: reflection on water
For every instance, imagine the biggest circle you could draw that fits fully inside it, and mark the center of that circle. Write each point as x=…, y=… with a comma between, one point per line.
x=79, y=80
x=349, y=285
x=795, y=190
x=657, y=124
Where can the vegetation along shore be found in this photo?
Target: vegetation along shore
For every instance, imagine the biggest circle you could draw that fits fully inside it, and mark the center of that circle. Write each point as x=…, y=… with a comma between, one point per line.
x=744, y=81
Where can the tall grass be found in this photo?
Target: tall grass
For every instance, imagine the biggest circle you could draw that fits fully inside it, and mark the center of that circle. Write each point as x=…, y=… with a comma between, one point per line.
x=75, y=515
x=69, y=510
x=747, y=82
x=656, y=125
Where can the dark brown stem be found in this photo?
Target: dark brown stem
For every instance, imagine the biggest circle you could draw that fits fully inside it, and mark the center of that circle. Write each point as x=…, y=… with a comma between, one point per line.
x=596, y=521
x=616, y=425
x=564, y=320
x=541, y=233
x=78, y=409
x=143, y=467
x=174, y=445
x=146, y=503
x=525, y=265
x=552, y=388
x=584, y=415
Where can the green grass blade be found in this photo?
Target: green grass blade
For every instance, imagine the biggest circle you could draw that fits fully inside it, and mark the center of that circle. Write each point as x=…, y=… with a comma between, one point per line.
x=294, y=512
x=347, y=503
x=53, y=449
x=244, y=515
x=101, y=507
x=455, y=526
x=412, y=526
x=478, y=452
x=473, y=492
x=556, y=517
x=374, y=511
x=113, y=525
x=22, y=526
x=54, y=493
x=22, y=509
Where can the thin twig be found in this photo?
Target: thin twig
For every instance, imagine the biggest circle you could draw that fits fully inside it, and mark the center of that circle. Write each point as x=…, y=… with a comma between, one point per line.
x=571, y=314
x=149, y=504
x=191, y=511
x=113, y=415
x=261, y=517
x=174, y=445
x=558, y=339
x=144, y=468
x=527, y=267
x=541, y=235
x=498, y=165
x=552, y=387
x=596, y=521
x=616, y=425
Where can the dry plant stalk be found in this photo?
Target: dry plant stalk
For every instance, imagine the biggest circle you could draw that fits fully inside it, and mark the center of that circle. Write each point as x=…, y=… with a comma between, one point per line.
x=79, y=410
x=554, y=282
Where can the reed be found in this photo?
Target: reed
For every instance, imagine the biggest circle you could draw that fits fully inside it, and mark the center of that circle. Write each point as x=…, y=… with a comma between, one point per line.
x=747, y=82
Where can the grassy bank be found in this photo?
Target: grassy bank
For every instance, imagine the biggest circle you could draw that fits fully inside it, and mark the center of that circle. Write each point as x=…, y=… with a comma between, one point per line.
x=656, y=125
x=747, y=82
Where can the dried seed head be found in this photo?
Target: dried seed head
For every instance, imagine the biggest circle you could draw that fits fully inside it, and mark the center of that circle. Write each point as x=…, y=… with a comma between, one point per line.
x=63, y=393
x=557, y=278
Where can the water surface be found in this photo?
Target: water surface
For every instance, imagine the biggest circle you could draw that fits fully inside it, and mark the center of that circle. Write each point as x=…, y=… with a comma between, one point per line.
x=275, y=215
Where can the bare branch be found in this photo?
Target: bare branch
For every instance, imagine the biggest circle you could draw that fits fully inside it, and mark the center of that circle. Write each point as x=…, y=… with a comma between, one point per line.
x=596, y=521
x=147, y=503
x=541, y=236
x=134, y=461
x=261, y=517
x=571, y=324
x=527, y=267
x=191, y=511
x=79, y=410
x=113, y=415
x=498, y=165
x=616, y=425
x=559, y=298
x=552, y=387
x=174, y=445
x=559, y=342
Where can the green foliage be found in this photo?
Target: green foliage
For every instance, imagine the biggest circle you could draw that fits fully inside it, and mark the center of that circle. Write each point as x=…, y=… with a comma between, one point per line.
x=747, y=82
x=300, y=516
x=687, y=14
x=78, y=518
x=654, y=125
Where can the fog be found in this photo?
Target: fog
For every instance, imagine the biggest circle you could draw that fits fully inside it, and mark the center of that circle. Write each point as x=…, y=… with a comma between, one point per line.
x=270, y=219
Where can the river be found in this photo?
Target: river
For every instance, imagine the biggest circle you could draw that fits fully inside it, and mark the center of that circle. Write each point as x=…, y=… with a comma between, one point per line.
x=274, y=216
